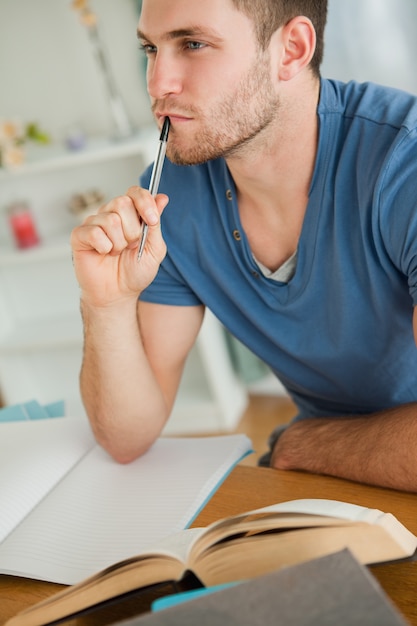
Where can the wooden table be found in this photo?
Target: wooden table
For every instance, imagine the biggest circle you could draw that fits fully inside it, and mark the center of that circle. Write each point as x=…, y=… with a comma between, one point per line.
x=248, y=488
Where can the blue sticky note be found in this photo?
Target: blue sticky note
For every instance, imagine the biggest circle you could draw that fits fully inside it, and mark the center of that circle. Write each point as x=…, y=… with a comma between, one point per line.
x=15, y=413
x=179, y=598
x=55, y=409
x=31, y=410
x=35, y=410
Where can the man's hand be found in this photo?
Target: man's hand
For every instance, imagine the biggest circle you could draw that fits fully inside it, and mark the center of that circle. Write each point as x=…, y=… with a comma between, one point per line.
x=105, y=248
x=377, y=449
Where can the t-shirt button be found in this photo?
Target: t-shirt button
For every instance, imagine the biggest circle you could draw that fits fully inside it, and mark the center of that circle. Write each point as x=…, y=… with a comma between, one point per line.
x=237, y=235
x=229, y=194
x=255, y=274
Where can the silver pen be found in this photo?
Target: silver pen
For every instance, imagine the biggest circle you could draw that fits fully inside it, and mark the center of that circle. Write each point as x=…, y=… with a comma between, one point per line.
x=155, y=177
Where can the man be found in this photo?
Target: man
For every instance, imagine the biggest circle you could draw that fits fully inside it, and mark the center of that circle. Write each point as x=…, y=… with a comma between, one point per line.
x=296, y=224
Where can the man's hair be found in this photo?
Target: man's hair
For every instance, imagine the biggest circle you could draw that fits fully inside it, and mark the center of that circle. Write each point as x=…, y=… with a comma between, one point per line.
x=269, y=15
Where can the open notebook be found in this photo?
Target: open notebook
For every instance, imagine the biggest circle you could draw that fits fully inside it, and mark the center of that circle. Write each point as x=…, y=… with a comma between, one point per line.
x=68, y=510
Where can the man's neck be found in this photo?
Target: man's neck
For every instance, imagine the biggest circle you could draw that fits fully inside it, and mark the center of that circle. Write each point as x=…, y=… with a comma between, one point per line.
x=282, y=160
x=273, y=180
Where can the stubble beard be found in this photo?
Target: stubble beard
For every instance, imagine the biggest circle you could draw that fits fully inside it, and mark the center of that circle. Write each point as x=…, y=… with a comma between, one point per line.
x=229, y=130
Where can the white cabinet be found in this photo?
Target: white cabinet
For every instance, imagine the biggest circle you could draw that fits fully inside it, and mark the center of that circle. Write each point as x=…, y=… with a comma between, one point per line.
x=40, y=326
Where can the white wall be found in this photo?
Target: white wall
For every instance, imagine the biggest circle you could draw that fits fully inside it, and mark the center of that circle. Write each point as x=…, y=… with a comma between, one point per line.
x=372, y=40
x=48, y=71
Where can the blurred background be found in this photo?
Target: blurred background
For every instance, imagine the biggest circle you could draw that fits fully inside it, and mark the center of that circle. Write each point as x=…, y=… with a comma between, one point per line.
x=49, y=73
x=75, y=129
x=49, y=70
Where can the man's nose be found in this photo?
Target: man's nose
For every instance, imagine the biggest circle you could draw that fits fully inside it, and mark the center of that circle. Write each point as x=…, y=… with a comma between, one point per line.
x=163, y=77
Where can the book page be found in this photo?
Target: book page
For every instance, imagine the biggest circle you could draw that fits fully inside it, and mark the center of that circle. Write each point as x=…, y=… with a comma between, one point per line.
x=333, y=508
x=103, y=512
x=33, y=460
x=178, y=544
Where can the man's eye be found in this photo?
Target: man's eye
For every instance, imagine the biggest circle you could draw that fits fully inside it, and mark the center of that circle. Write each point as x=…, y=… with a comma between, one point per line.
x=195, y=45
x=147, y=48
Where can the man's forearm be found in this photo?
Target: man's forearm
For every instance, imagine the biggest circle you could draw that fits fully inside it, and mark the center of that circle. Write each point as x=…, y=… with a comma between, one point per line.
x=378, y=449
x=123, y=400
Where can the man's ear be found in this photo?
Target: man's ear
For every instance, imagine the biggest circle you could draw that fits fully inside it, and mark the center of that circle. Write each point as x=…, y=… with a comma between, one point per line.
x=298, y=44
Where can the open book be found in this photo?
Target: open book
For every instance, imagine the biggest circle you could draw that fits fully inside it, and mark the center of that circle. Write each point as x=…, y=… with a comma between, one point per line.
x=239, y=548
x=67, y=510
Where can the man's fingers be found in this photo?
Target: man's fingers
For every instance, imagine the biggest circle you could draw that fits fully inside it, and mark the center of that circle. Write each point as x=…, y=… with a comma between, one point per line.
x=118, y=224
x=88, y=238
x=161, y=202
x=129, y=219
x=103, y=232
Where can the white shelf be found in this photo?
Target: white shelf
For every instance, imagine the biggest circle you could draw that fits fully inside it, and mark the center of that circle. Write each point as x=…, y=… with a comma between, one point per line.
x=54, y=157
x=43, y=334
x=50, y=250
x=196, y=416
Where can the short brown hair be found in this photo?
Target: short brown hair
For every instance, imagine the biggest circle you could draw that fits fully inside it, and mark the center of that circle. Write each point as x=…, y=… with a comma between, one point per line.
x=269, y=15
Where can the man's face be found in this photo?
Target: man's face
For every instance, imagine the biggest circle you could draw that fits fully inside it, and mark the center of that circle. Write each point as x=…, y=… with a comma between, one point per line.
x=206, y=72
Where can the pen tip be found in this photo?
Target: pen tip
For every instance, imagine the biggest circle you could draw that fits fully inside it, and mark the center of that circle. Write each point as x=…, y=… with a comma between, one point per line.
x=165, y=129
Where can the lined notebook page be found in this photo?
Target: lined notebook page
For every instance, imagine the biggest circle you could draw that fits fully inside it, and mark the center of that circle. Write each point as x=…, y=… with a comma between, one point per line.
x=102, y=512
x=34, y=456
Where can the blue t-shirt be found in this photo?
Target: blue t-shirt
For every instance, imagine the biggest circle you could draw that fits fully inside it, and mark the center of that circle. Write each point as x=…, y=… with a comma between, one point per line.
x=339, y=333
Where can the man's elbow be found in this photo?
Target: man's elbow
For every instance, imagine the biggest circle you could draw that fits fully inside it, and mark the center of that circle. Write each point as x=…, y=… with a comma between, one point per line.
x=122, y=451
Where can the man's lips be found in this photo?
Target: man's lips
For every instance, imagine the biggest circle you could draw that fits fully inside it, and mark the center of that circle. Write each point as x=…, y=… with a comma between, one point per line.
x=174, y=117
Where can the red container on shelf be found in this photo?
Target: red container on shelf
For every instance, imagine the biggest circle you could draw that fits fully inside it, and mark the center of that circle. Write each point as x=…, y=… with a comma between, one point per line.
x=23, y=226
